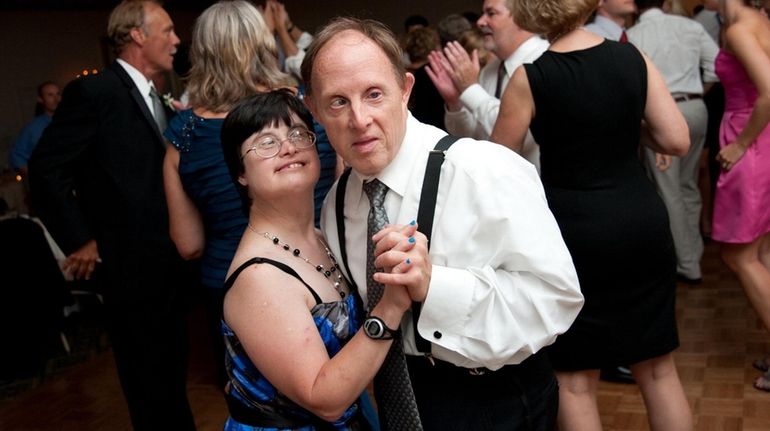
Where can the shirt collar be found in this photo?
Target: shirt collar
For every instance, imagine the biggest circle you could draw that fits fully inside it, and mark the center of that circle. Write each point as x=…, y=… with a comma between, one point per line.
x=523, y=51
x=609, y=26
x=142, y=83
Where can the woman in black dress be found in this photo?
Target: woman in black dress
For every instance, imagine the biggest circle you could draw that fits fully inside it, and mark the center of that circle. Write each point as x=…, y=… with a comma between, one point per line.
x=584, y=101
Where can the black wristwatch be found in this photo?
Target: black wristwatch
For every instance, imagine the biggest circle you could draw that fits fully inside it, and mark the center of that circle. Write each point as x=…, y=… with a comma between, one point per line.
x=376, y=329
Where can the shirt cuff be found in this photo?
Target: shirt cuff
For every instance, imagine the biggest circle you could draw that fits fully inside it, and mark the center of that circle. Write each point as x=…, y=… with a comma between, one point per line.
x=445, y=311
x=474, y=96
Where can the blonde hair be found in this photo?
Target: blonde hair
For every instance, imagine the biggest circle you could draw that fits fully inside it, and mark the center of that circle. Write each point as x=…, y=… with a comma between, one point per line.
x=552, y=18
x=232, y=54
x=126, y=16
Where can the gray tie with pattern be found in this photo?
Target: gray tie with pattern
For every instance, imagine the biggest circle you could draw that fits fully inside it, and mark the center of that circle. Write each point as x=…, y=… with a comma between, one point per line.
x=392, y=387
x=160, y=113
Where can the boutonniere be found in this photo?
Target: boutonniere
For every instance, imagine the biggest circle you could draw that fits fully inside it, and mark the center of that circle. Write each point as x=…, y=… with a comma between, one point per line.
x=168, y=100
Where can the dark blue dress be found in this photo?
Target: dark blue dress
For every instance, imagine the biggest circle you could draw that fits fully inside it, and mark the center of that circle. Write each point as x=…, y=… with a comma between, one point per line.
x=207, y=182
x=253, y=399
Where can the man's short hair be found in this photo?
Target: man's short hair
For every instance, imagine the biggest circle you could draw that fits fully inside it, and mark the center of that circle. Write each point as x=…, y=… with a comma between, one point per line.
x=452, y=26
x=129, y=14
x=375, y=31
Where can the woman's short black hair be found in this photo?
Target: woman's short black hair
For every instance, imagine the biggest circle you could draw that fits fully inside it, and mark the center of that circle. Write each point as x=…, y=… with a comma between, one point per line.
x=252, y=115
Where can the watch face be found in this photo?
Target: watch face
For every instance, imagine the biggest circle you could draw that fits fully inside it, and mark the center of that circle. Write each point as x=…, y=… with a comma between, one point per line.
x=374, y=328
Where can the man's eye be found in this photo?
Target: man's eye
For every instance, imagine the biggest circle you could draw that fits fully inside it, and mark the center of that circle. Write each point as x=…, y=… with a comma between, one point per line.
x=337, y=103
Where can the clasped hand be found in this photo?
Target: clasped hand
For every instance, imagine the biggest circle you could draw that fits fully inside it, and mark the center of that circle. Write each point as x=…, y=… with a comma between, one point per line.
x=403, y=253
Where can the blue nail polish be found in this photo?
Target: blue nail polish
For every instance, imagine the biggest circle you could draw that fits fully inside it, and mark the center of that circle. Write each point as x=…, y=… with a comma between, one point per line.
x=412, y=223
x=408, y=261
x=411, y=240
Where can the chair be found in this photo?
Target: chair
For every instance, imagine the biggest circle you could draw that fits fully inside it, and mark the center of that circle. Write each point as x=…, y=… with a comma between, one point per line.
x=34, y=296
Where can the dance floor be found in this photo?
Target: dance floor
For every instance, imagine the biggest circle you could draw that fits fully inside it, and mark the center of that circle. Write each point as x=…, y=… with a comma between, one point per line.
x=720, y=338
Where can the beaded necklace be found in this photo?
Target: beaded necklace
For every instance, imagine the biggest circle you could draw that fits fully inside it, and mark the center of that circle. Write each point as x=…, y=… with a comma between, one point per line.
x=334, y=269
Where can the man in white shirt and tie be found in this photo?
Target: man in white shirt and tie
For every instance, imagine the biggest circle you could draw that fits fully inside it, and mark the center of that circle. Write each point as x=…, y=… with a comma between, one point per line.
x=498, y=284
x=472, y=98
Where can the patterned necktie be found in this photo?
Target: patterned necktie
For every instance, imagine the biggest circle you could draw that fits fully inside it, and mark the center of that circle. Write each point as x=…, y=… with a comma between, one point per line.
x=160, y=113
x=392, y=387
x=500, y=76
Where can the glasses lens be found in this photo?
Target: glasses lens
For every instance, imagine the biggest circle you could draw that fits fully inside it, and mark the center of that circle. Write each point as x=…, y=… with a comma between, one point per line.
x=301, y=138
x=267, y=147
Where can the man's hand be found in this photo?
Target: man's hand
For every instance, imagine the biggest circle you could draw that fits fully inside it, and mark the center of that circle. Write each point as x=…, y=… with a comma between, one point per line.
x=464, y=68
x=82, y=262
x=662, y=161
x=442, y=81
x=403, y=252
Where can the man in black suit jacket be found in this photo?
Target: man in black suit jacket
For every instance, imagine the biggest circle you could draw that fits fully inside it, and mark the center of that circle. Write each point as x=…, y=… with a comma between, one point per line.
x=96, y=181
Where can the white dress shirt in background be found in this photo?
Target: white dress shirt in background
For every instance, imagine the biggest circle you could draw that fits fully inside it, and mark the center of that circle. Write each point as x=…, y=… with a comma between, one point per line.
x=679, y=47
x=477, y=117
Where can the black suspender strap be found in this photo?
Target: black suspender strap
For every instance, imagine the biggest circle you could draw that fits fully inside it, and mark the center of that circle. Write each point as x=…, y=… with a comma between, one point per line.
x=339, y=210
x=425, y=214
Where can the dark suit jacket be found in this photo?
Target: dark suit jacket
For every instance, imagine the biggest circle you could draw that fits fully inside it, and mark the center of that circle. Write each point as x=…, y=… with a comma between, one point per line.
x=97, y=170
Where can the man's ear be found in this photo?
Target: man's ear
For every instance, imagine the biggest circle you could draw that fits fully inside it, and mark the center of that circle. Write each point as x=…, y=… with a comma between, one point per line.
x=408, y=85
x=138, y=36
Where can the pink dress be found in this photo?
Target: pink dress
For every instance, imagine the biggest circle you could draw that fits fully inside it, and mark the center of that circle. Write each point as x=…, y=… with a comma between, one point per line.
x=742, y=201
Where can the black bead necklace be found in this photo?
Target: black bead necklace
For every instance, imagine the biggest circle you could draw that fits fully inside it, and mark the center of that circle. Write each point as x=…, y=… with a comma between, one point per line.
x=334, y=269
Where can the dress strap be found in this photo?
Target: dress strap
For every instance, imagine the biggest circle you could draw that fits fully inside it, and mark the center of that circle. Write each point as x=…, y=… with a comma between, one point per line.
x=282, y=266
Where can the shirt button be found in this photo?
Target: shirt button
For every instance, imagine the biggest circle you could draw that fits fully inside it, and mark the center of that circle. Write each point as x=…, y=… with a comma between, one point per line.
x=437, y=334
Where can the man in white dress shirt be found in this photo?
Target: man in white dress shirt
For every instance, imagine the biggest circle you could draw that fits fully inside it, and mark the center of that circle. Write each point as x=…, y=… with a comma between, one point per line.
x=610, y=19
x=473, y=99
x=498, y=284
x=684, y=53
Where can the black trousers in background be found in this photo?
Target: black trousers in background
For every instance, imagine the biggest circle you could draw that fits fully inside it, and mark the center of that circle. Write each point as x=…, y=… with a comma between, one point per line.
x=146, y=312
x=516, y=397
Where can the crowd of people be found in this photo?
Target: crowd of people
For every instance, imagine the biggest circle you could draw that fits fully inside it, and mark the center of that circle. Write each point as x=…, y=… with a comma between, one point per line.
x=475, y=229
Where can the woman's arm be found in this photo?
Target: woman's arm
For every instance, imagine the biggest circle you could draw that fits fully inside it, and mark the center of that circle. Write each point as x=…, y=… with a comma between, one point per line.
x=742, y=40
x=665, y=123
x=268, y=310
x=185, y=223
x=517, y=108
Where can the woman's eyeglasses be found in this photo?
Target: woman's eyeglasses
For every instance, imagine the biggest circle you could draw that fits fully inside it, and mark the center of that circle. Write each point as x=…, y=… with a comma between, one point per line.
x=269, y=146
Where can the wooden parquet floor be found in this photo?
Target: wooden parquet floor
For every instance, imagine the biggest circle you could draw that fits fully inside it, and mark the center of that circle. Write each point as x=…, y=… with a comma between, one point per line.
x=720, y=338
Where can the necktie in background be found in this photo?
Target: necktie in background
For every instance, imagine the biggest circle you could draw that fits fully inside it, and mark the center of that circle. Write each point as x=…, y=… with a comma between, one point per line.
x=392, y=387
x=160, y=113
x=500, y=75
x=623, y=37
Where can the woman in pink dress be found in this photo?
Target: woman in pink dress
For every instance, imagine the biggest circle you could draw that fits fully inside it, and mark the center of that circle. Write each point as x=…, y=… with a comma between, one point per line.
x=742, y=201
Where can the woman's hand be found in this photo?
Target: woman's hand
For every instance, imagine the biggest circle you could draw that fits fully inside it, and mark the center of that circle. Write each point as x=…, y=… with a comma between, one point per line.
x=730, y=154
x=403, y=252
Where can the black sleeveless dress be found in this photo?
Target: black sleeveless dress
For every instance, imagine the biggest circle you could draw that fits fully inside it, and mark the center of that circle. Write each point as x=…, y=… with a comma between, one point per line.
x=589, y=106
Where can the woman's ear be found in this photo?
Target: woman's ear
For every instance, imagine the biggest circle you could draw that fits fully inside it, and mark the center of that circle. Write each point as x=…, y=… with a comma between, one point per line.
x=242, y=181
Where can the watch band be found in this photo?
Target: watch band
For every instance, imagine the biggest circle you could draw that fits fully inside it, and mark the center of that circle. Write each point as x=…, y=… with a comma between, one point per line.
x=376, y=329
